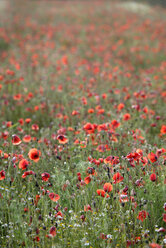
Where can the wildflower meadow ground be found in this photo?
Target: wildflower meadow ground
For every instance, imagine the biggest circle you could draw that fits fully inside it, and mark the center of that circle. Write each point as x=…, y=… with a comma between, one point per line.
x=82, y=124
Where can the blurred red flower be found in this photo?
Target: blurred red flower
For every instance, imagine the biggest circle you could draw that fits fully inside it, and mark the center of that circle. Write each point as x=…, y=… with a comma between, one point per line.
x=2, y=175
x=34, y=154
x=54, y=197
x=16, y=140
x=142, y=215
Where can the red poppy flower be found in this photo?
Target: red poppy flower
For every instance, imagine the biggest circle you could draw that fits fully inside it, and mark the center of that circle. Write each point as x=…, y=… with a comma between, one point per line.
x=45, y=176
x=5, y=155
x=89, y=128
x=154, y=245
x=91, y=111
x=108, y=187
x=144, y=160
x=62, y=139
x=17, y=97
x=126, y=117
x=142, y=215
x=120, y=106
x=79, y=176
x=37, y=239
x=5, y=135
x=35, y=127
x=87, y=179
x=90, y=171
x=161, y=230
x=153, y=177
x=108, y=160
x=87, y=208
x=53, y=231
x=102, y=127
x=2, y=175
x=26, y=210
x=117, y=178
x=27, y=138
x=100, y=111
x=115, y=124
x=27, y=173
x=163, y=129
x=21, y=121
x=75, y=112
x=36, y=108
x=64, y=60
x=164, y=206
x=111, y=160
x=54, y=197
x=34, y=154
x=59, y=214
x=27, y=120
x=152, y=157
x=37, y=198
x=102, y=193
x=164, y=217
x=16, y=140
x=23, y=164
x=139, y=151
x=8, y=124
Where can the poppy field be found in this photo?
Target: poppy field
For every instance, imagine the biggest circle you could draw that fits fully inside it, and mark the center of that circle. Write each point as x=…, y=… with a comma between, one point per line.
x=82, y=125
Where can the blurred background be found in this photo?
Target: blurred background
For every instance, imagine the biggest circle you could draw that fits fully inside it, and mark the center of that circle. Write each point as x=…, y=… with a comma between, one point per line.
x=153, y=2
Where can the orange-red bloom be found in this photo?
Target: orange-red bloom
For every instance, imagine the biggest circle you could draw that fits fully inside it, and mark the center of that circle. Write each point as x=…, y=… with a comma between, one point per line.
x=163, y=129
x=126, y=117
x=59, y=214
x=152, y=157
x=91, y=111
x=21, y=121
x=62, y=139
x=89, y=128
x=108, y=160
x=27, y=120
x=87, y=208
x=102, y=193
x=90, y=171
x=154, y=245
x=87, y=179
x=23, y=164
x=27, y=173
x=164, y=217
x=53, y=231
x=35, y=127
x=27, y=138
x=115, y=124
x=45, y=176
x=117, y=178
x=153, y=177
x=108, y=187
x=34, y=154
x=16, y=140
x=54, y=197
x=120, y=106
x=2, y=175
x=164, y=206
x=142, y=215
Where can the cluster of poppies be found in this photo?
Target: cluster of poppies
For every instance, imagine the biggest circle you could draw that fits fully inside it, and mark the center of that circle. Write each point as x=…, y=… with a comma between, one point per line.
x=83, y=127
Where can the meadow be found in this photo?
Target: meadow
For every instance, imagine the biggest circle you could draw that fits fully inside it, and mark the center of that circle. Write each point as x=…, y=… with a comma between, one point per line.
x=82, y=125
